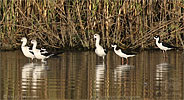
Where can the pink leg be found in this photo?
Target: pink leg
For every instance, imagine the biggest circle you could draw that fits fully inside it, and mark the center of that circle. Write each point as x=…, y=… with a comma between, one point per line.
x=122, y=61
x=127, y=60
x=164, y=53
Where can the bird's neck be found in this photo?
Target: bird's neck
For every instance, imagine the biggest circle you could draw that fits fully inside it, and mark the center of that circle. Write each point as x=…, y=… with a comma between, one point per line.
x=34, y=46
x=97, y=42
x=157, y=41
x=23, y=44
x=114, y=48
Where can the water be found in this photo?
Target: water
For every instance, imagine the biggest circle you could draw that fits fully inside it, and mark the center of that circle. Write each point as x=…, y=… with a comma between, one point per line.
x=82, y=75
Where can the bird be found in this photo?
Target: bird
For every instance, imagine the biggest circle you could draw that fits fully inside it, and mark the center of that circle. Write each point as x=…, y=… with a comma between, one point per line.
x=122, y=53
x=163, y=45
x=27, y=51
x=100, y=51
x=40, y=53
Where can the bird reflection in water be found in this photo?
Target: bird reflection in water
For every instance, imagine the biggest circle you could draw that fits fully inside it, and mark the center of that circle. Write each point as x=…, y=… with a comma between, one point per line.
x=162, y=76
x=27, y=71
x=33, y=78
x=39, y=76
x=100, y=69
x=121, y=70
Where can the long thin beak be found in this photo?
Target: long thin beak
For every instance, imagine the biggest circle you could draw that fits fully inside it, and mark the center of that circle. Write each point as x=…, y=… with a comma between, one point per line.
x=18, y=44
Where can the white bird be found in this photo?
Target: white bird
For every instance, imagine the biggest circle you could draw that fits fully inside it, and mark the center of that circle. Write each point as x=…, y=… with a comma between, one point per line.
x=122, y=53
x=40, y=53
x=100, y=51
x=162, y=45
x=26, y=50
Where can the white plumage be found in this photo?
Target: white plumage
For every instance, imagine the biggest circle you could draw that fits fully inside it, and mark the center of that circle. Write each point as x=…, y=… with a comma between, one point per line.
x=120, y=53
x=100, y=51
x=40, y=53
x=26, y=50
x=161, y=45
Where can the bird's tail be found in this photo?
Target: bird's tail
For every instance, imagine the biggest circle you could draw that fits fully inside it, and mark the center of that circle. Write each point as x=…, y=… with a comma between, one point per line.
x=55, y=54
x=49, y=55
x=132, y=55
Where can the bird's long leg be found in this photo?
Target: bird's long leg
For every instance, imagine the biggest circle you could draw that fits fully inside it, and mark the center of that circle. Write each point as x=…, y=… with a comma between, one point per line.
x=103, y=60
x=122, y=61
x=164, y=53
x=127, y=60
x=164, y=59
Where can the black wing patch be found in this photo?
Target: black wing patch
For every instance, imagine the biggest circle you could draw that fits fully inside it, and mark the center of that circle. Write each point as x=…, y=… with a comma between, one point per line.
x=167, y=45
x=46, y=54
x=106, y=50
x=128, y=52
x=31, y=52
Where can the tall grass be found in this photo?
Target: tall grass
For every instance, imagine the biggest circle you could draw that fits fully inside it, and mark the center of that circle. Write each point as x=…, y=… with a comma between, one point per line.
x=72, y=23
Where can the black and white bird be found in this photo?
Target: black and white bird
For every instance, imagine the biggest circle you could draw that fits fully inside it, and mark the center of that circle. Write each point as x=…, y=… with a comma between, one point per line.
x=27, y=51
x=122, y=53
x=162, y=45
x=40, y=53
x=100, y=51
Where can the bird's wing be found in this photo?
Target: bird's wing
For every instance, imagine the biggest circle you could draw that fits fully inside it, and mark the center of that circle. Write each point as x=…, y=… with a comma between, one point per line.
x=30, y=50
x=125, y=51
x=106, y=50
x=128, y=52
x=43, y=51
x=167, y=45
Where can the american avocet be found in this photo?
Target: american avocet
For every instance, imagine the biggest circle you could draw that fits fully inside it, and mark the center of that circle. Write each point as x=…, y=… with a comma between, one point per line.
x=122, y=53
x=162, y=45
x=40, y=53
x=26, y=50
x=100, y=51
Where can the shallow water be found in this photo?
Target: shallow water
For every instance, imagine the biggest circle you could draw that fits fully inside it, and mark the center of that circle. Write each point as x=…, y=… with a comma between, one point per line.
x=82, y=75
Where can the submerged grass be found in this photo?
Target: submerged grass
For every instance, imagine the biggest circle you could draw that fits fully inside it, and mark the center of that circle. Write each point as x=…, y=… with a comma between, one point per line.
x=72, y=23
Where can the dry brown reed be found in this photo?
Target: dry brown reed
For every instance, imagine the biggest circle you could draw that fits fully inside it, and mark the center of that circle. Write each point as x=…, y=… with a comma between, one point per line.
x=72, y=23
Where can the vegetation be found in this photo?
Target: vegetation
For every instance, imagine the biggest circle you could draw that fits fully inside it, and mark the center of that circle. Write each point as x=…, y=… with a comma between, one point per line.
x=72, y=23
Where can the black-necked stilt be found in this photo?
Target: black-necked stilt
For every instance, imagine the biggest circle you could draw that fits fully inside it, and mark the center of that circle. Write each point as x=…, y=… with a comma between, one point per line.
x=100, y=51
x=122, y=53
x=40, y=53
x=162, y=45
x=26, y=50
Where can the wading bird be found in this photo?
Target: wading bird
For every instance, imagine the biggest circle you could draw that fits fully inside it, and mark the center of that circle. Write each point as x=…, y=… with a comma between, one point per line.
x=122, y=53
x=162, y=45
x=100, y=51
x=40, y=53
x=26, y=50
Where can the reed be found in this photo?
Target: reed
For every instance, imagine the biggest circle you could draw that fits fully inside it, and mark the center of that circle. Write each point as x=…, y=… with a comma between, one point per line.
x=72, y=23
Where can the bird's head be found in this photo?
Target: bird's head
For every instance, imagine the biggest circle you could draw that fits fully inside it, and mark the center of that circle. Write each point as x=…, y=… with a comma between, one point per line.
x=33, y=41
x=157, y=37
x=24, y=39
x=114, y=45
x=96, y=36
